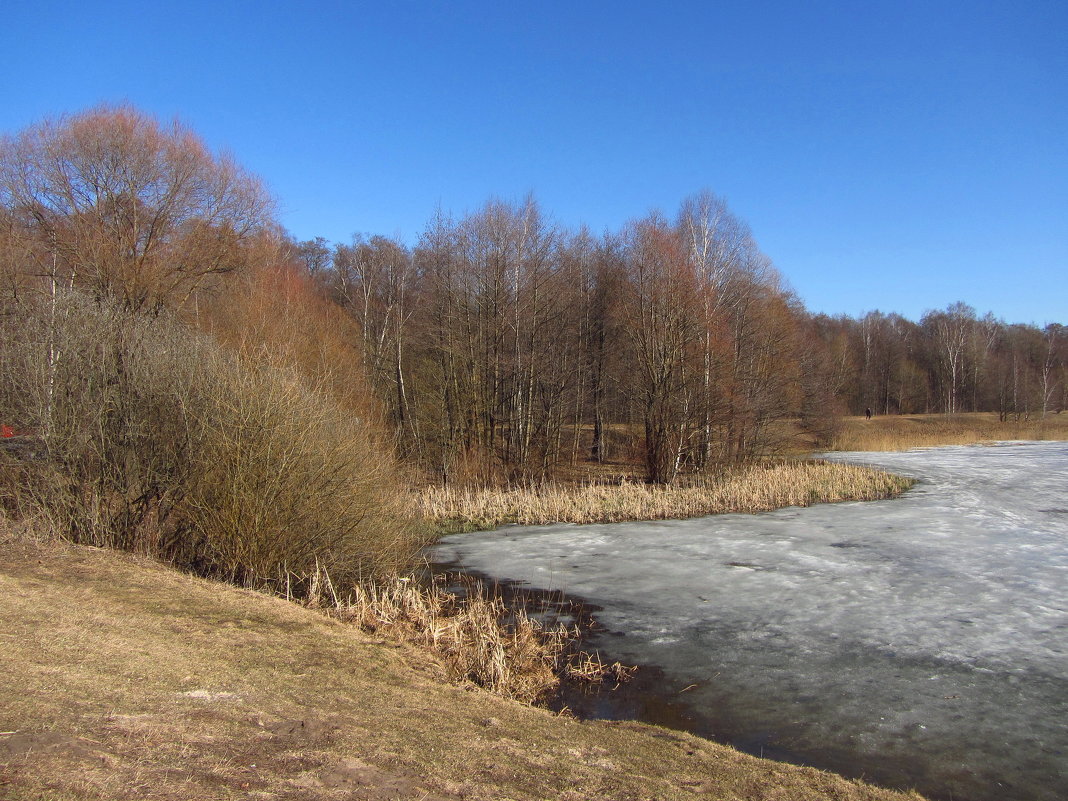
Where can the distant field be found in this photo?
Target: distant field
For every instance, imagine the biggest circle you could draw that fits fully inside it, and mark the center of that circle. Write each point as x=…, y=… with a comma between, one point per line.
x=901, y=432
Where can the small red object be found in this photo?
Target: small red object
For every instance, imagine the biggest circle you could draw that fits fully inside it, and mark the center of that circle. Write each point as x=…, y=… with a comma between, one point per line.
x=6, y=431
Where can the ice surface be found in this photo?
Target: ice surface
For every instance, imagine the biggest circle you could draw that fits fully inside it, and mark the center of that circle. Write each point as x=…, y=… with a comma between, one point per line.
x=921, y=641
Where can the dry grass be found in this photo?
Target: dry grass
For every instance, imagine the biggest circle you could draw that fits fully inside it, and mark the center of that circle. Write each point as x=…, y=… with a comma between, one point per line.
x=476, y=636
x=894, y=433
x=755, y=488
x=122, y=679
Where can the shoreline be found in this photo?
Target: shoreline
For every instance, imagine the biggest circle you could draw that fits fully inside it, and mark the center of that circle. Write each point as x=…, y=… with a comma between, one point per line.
x=743, y=490
x=650, y=696
x=156, y=679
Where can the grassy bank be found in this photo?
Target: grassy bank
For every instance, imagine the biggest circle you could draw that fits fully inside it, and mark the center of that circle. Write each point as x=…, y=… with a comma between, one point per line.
x=899, y=433
x=122, y=679
x=754, y=488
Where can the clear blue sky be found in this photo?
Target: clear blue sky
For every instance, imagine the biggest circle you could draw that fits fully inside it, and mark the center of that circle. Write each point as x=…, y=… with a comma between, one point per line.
x=888, y=155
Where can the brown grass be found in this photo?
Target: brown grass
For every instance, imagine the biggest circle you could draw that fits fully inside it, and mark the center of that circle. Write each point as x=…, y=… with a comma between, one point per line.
x=899, y=433
x=754, y=488
x=122, y=679
x=476, y=636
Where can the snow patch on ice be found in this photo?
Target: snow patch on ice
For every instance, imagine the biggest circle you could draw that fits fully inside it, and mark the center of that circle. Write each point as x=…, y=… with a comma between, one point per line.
x=844, y=625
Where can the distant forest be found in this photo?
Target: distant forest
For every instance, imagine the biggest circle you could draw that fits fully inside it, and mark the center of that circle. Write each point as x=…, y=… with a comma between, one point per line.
x=501, y=344
x=505, y=339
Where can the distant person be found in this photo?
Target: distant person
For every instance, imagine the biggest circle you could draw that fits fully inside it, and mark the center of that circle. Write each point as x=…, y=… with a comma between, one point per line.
x=867, y=413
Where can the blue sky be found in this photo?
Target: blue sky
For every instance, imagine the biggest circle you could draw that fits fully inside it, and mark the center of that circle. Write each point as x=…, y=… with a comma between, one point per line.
x=888, y=155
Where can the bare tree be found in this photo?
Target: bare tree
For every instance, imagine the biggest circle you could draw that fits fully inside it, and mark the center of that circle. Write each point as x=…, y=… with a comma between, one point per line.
x=983, y=336
x=315, y=255
x=950, y=331
x=373, y=280
x=715, y=242
x=125, y=206
x=1054, y=342
x=662, y=325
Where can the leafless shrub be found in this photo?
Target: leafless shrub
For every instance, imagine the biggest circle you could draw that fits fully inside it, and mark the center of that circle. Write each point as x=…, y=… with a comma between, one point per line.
x=161, y=442
x=287, y=479
x=114, y=397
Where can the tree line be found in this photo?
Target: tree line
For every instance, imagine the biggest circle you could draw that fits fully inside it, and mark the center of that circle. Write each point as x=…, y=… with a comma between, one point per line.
x=502, y=342
x=951, y=361
x=500, y=346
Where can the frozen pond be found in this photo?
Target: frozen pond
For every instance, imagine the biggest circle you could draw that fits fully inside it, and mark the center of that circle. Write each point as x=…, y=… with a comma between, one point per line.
x=918, y=642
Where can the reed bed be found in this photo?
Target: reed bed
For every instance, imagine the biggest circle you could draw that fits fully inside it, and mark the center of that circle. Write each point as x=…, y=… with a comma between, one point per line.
x=899, y=433
x=473, y=633
x=755, y=488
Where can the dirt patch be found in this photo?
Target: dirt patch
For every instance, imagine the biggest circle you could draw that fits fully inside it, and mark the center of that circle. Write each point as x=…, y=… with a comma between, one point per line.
x=358, y=779
x=14, y=745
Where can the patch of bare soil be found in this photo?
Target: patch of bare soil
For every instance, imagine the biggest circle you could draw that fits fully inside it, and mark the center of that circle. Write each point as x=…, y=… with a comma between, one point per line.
x=122, y=679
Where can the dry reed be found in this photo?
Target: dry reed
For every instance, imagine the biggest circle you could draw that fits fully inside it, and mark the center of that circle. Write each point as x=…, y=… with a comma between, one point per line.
x=476, y=635
x=754, y=488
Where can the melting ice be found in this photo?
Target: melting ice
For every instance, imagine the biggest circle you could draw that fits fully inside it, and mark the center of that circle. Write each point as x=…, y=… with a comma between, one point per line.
x=920, y=642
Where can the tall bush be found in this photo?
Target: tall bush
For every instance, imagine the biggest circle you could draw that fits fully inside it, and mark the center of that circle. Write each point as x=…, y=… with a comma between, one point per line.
x=160, y=441
x=288, y=479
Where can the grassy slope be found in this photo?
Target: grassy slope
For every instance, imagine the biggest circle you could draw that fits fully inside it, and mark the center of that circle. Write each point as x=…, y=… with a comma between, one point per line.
x=120, y=678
